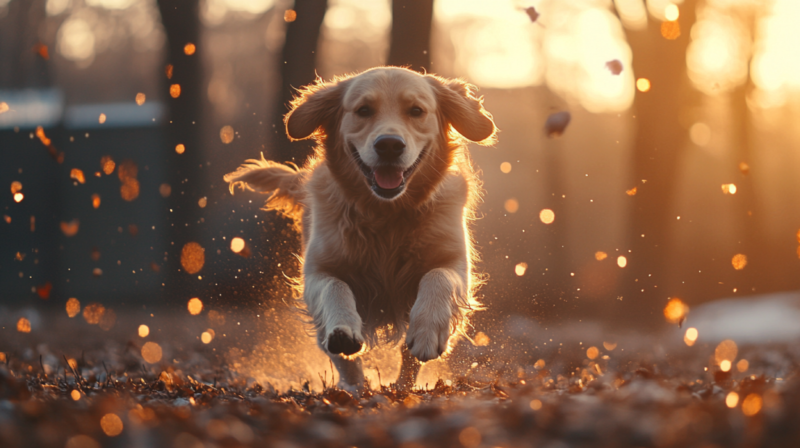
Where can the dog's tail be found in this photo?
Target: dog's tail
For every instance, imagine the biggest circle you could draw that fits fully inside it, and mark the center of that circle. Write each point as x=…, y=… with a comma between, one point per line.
x=287, y=184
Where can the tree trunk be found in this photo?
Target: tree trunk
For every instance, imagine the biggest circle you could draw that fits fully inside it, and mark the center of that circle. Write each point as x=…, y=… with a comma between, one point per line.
x=298, y=68
x=658, y=149
x=181, y=22
x=411, y=34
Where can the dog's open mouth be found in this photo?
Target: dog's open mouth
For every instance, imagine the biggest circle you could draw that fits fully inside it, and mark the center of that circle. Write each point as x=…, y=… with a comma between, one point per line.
x=387, y=181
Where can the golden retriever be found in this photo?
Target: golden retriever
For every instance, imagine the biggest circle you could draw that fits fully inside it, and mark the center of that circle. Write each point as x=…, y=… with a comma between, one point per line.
x=383, y=206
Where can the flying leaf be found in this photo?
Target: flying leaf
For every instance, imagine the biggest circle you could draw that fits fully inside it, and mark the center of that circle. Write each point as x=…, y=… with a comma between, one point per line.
x=615, y=66
x=532, y=13
x=556, y=123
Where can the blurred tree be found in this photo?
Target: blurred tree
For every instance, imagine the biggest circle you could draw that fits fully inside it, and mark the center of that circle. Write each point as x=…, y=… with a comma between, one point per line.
x=658, y=148
x=298, y=68
x=754, y=242
x=411, y=34
x=22, y=66
x=183, y=68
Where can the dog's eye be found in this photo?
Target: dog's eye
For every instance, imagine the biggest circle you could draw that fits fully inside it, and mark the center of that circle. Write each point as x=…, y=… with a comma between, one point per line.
x=364, y=111
x=415, y=111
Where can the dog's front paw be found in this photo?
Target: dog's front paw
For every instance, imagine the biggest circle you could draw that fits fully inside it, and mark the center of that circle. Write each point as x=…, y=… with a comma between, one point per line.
x=343, y=341
x=427, y=340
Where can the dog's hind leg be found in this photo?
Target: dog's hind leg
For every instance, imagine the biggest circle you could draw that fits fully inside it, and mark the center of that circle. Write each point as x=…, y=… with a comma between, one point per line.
x=409, y=369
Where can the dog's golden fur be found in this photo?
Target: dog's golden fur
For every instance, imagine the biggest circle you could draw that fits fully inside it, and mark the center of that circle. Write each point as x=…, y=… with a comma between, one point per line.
x=384, y=255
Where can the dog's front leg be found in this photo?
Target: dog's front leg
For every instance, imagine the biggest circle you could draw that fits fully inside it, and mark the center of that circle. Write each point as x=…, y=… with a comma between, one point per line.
x=333, y=307
x=437, y=312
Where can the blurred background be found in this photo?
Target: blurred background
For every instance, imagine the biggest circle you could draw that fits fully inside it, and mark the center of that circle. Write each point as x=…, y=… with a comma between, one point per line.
x=676, y=177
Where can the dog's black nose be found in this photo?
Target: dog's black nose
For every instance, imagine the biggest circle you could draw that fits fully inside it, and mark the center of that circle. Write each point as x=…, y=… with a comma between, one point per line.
x=389, y=147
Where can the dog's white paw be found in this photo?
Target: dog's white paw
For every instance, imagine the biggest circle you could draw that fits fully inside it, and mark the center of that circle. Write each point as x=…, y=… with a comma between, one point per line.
x=426, y=339
x=343, y=340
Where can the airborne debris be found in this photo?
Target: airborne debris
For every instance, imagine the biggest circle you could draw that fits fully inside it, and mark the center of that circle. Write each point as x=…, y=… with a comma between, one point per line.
x=557, y=123
x=533, y=14
x=614, y=66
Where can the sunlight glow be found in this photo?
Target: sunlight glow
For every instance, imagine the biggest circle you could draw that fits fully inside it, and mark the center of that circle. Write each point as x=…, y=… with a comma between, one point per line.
x=632, y=13
x=716, y=58
x=671, y=12
x=495, y=43
x=776, y=60
x=76, y=40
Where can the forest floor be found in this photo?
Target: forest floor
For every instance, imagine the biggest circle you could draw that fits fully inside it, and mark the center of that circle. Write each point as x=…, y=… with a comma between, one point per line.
x=66, y=383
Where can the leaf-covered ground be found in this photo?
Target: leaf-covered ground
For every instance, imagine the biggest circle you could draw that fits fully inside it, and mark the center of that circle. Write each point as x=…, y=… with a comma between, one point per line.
x=75, y=385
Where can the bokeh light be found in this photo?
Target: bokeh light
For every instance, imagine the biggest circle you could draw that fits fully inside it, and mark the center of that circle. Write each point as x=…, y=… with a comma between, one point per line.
x=726, y=351
x=226, y=134
x=505, y=167
x=195, y=306
x=547, y=216
x=144, y=330
x=690, y=337
x=739, y=261
x=192, y=257
x=622, y=261
x=643, y=84
x=23, y=325
x=592, y=352
x=600, y=255
x=73, y=307
x=180, y=148
x=675, y=311
x=520, y=269
x=742, y=365
x=752, y=405
x=511, y=205
x=237, y=244
x=151, y=352
x=732, y=399
x=93, y=312
x=111, y=425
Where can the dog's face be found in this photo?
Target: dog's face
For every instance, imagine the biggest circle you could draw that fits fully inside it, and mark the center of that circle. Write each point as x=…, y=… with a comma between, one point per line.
x=392, y=123
x=389, y=123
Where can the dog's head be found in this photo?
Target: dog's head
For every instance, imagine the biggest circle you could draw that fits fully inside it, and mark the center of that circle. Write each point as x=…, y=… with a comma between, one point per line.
x=391, y=127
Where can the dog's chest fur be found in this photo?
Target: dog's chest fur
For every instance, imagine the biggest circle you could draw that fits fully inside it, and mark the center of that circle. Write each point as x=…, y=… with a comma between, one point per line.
x=383, y=254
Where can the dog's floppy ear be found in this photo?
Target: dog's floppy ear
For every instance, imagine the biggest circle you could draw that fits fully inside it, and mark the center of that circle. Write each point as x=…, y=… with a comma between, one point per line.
x=317, y=105
x=463, y=110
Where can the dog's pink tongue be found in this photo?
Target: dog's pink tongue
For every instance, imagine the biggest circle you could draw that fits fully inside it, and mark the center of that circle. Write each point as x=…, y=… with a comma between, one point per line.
x=388, y=177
